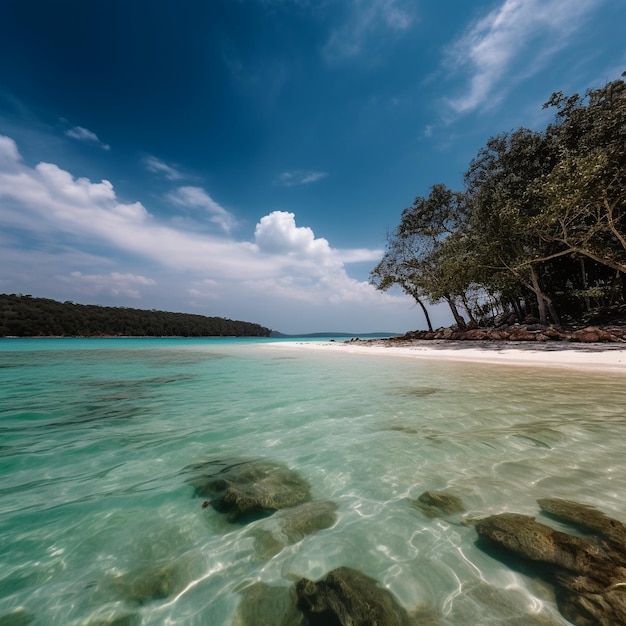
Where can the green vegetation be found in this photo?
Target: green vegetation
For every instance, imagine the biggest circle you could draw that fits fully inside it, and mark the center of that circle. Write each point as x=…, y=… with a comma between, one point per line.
x=538, y=230
x=25, y=316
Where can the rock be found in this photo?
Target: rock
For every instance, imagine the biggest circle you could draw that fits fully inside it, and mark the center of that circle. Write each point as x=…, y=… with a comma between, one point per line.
x=347, y=597
x=17, y=617
x=474, y=334
x=150, y=583
x=588, y=573
x=116, y=619
x=291, y=525
x=266, y=605
x=438, y=504
x=587, y=518
x=244, y=488
x=527, y=538
x=521, y=334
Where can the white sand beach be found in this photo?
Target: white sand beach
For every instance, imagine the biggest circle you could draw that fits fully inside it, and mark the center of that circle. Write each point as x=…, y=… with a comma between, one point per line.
x=608, y=357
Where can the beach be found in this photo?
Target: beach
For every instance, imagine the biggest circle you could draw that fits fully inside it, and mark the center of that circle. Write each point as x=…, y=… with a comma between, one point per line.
x=610, y=357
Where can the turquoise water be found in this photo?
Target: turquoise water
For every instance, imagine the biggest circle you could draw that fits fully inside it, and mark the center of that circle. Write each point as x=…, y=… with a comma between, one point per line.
x=100, y=526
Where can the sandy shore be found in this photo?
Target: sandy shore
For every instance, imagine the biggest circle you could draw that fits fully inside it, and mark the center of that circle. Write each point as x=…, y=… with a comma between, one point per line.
x=597, y=357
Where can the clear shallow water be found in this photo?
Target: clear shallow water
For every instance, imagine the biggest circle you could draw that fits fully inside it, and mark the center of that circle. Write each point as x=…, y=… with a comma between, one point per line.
x=96, y=513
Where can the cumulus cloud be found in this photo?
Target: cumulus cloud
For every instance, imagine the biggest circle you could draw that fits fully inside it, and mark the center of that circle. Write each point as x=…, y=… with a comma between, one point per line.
x=528, y=30
x=156, y=166
x=198, y=198
x=368, y=20
x=300, y=177
x=9, y=154
x=80, y=233
x=83, y=134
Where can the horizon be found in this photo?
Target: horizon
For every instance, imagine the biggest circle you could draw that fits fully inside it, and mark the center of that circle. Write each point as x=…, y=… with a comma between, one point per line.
x=247, y=160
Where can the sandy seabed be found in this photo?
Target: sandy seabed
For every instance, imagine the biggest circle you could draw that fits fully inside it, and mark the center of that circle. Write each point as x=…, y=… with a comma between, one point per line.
x=608, y=357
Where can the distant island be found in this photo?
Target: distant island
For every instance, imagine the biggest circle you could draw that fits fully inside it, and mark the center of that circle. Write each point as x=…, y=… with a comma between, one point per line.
x=26, y=316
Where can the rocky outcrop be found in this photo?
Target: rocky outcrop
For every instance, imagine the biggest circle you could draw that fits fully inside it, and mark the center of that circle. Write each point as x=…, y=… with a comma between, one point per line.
x=244, y=488
x=588, y=572
x=523, y=332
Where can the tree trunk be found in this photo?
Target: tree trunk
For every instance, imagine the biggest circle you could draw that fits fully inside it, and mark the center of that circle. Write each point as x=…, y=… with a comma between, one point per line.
x=426, y=315
x=467, y=307
x=583, y=275
x=460, y=322
x=518, y=309
x=544, y=303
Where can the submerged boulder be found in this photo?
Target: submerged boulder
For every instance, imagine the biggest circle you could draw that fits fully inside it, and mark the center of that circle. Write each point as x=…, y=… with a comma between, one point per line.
x=291, y=525
x=17, y=617
x=241, y=488
x=267, y=605
x=588, y=573
x=438, y=504
x=586, y=518
x=145, y=584
x=346, y=597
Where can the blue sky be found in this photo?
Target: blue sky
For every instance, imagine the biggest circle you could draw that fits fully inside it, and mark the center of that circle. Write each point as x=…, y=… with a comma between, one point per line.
x=246, y=158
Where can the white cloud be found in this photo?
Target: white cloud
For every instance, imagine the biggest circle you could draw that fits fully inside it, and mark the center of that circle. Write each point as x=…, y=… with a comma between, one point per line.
x=368, y=20
x=81, y=238
x=114, y=284
x=277, y=233
x=198, y=198
x=156, y=166
x=9, y=154
x=300, y=177
x=528, y=31
x=83, y=134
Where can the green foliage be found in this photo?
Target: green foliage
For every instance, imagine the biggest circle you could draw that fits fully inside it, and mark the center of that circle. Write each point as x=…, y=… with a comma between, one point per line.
x=540, y=225
x=25, y=316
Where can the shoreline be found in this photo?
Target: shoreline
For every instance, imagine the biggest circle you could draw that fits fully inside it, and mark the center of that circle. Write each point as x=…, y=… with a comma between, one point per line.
x=607, y=357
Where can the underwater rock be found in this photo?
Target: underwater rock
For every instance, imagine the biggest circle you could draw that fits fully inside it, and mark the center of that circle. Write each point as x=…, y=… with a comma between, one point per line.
x=150, y=583
x=17, y=617
x=240, y=488
x=266, y=605
x=403, y=429
x=588, y=573
x=587, y=518
x=291, y=525
x=123, y=619
x=418, y=392
x=346, y=597
x=438, y=504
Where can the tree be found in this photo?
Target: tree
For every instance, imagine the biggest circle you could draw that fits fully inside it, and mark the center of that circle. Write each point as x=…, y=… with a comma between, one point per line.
x=498, y=183
x=585, y=193
x=397, y=267
x=418, y=258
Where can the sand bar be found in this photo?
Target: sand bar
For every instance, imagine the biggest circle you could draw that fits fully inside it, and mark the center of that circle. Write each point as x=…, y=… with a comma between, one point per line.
x=609, y=357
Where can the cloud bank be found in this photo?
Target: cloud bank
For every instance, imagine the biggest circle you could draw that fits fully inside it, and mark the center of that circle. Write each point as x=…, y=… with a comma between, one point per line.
x=85, y=240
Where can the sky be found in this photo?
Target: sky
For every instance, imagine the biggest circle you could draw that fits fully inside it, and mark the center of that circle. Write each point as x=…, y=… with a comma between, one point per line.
x=248, y=158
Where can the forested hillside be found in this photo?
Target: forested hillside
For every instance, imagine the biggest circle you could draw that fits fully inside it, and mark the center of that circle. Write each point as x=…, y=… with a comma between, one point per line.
x=538, y=229
x=25, y=316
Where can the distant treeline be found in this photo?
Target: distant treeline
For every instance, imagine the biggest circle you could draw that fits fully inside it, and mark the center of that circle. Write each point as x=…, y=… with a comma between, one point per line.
x=25, y=316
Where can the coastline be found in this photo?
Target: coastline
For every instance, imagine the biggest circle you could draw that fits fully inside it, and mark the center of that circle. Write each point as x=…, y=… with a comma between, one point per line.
x=607, y=357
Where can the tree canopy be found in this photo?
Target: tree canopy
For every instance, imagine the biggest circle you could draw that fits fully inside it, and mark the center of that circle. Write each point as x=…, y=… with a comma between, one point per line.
x=25, y=316
x=538, y=229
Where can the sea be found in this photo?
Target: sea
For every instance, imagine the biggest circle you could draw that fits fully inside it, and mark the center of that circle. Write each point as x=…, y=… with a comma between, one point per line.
x=101, y=441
